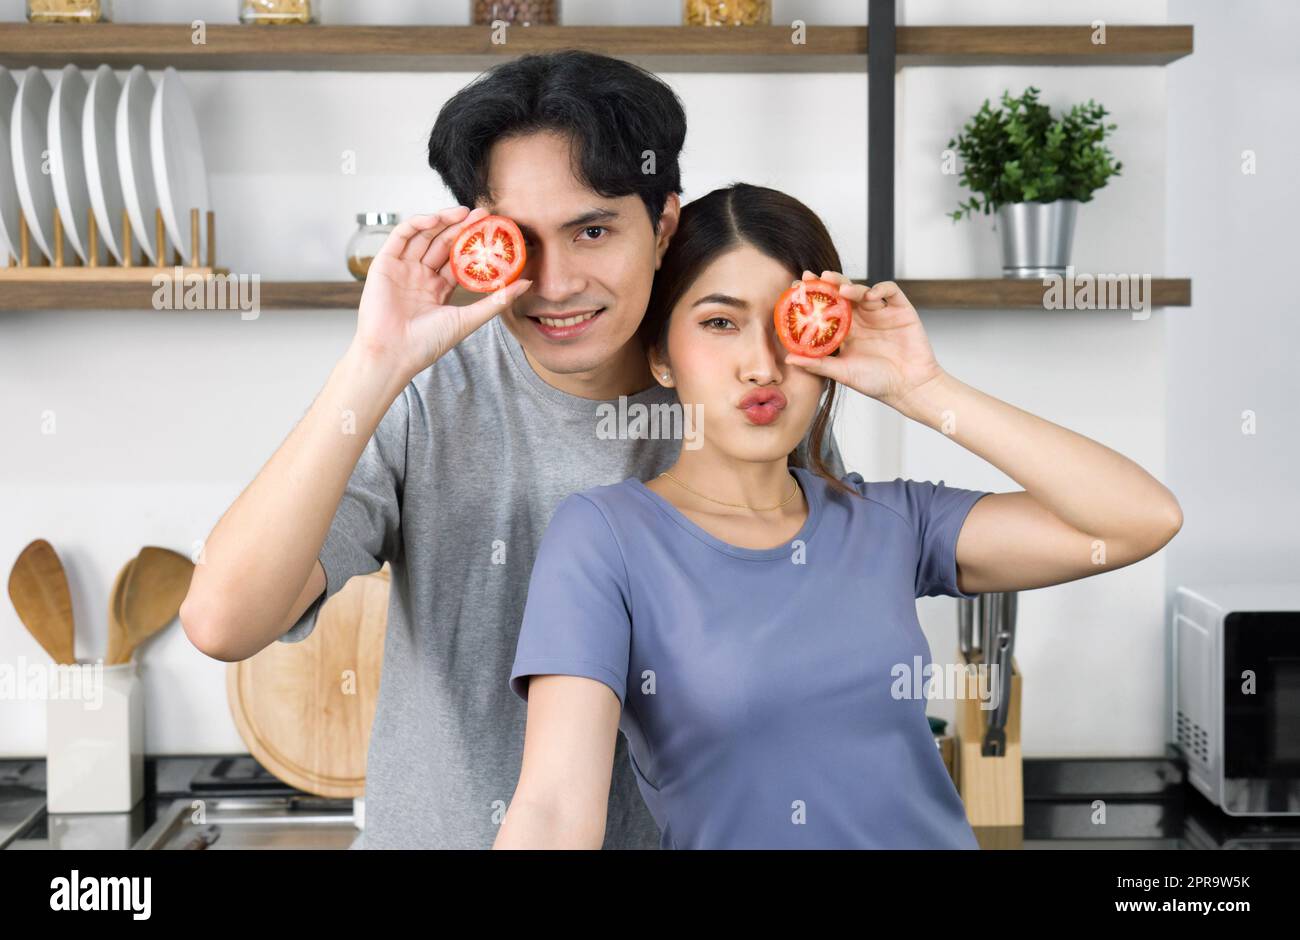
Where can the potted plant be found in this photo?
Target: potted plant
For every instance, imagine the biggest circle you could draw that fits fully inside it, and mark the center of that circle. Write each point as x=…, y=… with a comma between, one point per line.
x=1033, y=171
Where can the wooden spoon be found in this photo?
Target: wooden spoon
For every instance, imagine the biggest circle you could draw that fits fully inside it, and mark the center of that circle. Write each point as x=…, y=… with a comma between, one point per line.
x=155, y=587
x=116, y=615
x=38, y=586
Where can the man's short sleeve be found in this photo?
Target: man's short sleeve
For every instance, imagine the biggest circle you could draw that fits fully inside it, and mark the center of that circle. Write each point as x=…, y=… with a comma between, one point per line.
x=577, y=619
x=366, y=529
x=936, y=513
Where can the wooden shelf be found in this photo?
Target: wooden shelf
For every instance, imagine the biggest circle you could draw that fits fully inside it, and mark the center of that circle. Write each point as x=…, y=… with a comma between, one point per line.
x=1001, y=293
x=1041, y=45
x=964, y=294
x=424, y=48
x=665, y=48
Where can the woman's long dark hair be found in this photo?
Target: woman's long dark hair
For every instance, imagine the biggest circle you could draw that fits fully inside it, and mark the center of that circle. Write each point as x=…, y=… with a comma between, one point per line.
x=779, y=226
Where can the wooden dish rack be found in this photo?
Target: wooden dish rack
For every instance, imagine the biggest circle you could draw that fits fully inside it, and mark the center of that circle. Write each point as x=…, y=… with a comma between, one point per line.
x=22, y=268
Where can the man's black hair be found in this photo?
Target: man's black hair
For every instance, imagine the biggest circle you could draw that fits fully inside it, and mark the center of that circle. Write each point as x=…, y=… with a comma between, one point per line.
x=626, y=125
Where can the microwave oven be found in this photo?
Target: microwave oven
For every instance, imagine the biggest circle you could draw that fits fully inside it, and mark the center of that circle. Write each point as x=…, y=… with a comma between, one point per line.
x=1235, y=694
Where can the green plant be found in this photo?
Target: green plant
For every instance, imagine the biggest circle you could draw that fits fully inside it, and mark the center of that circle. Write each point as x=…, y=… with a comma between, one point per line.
x=1018, y=153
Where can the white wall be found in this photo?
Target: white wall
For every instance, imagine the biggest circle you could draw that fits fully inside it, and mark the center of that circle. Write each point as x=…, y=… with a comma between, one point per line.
x=164, y=418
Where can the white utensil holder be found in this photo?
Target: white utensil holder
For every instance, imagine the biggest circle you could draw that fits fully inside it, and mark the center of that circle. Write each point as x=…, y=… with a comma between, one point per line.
x=95, y=740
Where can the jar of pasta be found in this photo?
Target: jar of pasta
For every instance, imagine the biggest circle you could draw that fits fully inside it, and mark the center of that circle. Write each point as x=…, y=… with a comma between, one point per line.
x=276, y=12
x=727, y=13
x=372, y=231
x=515, y=12
x=69, y=11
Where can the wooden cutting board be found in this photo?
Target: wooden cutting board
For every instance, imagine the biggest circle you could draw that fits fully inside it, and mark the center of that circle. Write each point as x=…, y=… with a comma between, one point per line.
x=304, y=709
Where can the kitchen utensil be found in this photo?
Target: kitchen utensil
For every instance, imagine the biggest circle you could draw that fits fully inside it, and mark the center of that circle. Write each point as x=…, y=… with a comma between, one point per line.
x=966, y=624
x=29, y=141
x=984, y=618
x=180, y=173
x=155, y=587
x=8, y=189
x=991, y=788
x=135, y=158
x=304, y=710
x=38, y=587
x=67, y=160
x=117, y=615
x=995, y=738
x=99, y=151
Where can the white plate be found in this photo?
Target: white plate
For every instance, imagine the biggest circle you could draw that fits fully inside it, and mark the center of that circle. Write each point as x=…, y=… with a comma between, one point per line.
x=179, y=170
x=29, y=125
x=67, y=163
x=8, y=191
x=99, y=149
x=134, y=160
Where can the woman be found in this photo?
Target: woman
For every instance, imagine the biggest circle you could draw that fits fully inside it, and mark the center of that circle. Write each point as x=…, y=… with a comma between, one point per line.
x=743, y=620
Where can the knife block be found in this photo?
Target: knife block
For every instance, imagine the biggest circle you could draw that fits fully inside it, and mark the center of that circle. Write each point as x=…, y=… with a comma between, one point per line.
x=991, y=788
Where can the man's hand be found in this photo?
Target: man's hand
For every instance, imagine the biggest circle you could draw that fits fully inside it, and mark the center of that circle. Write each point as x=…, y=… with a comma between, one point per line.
x=404, y=319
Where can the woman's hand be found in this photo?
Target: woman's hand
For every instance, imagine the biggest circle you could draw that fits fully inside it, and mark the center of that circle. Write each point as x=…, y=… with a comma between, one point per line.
x=404, y=318
x=886, y=354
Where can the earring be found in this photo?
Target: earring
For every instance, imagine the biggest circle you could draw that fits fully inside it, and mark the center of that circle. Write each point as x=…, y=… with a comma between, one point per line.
x=665, y=376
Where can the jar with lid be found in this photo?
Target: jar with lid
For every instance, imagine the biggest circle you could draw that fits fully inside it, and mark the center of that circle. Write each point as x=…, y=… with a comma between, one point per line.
x=372, y=231
x=515, y=12
x=69, y=11
x=727, y=12
x=276, y=12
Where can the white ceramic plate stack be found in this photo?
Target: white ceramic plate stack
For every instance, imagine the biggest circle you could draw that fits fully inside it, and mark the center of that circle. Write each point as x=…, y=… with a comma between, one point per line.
x=28, y=132
x=8, y=188
x=112, y=145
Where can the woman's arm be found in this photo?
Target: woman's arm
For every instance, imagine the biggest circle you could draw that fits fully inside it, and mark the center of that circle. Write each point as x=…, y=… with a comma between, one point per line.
x=563, y=790
x=1084, y=508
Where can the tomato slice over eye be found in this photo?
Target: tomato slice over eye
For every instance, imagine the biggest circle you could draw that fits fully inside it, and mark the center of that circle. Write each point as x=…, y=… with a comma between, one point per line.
x=812, y=318
x=488, y=255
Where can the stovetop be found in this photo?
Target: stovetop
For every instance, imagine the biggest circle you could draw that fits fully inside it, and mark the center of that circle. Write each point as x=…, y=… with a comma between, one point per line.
x=231, y=801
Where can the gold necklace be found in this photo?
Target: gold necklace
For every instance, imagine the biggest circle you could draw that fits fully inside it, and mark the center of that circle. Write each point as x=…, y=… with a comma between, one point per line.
x=792, y=495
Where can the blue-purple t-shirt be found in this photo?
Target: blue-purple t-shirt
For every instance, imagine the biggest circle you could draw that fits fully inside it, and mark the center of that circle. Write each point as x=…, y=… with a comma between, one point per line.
x=758, y=685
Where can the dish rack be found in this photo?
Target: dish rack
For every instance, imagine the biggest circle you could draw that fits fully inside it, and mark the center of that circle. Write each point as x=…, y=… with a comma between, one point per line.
x=22, y=267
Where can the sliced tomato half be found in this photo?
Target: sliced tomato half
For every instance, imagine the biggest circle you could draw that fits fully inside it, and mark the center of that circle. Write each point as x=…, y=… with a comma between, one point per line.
x=488, y=255
x=812, y=318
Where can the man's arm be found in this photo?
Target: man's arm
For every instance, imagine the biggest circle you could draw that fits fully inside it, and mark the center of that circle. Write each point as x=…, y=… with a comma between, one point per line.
x=259, y=570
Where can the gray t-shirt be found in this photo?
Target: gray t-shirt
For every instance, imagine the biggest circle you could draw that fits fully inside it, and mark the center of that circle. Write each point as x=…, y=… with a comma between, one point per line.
x=454, y=491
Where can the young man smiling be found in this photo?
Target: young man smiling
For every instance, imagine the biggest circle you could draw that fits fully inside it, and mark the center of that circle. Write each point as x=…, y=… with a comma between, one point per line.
x=445, y=437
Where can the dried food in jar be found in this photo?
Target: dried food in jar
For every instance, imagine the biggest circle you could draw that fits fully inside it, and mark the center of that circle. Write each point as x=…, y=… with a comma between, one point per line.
x=520, y=12
x=727, y=12
x=67, y=11
x=276, y=12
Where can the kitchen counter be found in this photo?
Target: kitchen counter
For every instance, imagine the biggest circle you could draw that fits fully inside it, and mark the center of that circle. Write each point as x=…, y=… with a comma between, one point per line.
x=1149, y=805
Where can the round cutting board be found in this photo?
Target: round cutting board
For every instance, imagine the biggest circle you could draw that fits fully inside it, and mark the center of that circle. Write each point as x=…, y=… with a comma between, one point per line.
x=305, y=709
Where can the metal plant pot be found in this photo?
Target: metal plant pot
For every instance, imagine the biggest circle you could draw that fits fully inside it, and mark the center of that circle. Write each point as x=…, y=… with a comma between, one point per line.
x=1036, y=237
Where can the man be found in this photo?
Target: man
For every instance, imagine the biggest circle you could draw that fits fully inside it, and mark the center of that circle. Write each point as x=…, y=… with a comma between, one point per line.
x=445, y=437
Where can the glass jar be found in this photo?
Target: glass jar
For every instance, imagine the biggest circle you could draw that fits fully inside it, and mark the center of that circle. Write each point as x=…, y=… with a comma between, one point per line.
x=727, y=12
x=276, y=12
x=516, y=12
x=372, y=231
x=69, y=11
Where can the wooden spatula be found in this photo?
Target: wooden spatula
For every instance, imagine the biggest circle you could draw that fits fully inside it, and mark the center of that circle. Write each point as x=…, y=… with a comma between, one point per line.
x=117, y=616
x=155, y=587
x=38, y=586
